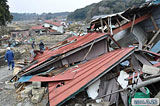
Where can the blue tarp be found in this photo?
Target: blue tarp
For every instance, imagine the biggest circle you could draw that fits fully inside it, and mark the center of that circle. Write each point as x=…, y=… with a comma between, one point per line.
x=156, y=47
x=25, y=78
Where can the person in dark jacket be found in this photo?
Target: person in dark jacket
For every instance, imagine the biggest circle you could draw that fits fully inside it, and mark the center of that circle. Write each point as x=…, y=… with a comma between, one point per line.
x=33, y=45
x=9, y=57
x=41, y=46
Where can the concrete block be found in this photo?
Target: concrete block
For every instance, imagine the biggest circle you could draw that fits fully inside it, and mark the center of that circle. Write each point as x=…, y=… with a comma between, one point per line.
x=36, y=85
x=39, y=91
x=9, y=85
x=26, y=92
x=36, y=98
x=150, y=69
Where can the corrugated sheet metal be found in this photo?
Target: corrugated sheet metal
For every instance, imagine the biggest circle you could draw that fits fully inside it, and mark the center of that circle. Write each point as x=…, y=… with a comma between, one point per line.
x=80, y=41
x=87, y=74
x=60, y=77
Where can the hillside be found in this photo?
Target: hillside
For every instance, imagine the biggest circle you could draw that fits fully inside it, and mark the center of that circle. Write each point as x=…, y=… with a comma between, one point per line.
x=103, y=7
x=34, y=16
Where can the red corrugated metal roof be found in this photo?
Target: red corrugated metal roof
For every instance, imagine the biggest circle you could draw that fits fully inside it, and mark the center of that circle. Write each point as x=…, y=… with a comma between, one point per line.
x=60, y=77
x=53, y=23
x=37, y=27
x=86, y=73
x=80, y=41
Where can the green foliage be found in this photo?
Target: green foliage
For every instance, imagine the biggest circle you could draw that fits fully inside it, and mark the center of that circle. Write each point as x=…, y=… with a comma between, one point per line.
x=5, y=15
x=103, y=7
x=80, y=14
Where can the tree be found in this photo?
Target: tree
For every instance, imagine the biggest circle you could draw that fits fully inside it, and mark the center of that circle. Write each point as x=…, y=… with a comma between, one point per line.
x=5, y=16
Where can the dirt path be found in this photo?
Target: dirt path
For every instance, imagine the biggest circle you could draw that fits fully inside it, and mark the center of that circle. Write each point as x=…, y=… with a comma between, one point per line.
x=7, y=97
x=5, y=73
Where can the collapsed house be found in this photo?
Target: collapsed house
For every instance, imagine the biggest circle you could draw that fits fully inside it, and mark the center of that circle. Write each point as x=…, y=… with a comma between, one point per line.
x=99, y=68
x=137, y=25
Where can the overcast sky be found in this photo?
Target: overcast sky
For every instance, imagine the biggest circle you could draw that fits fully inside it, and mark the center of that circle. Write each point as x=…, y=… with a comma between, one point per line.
x=40, y=6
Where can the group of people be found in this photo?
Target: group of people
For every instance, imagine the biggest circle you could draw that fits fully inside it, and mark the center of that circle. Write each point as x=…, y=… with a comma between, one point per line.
x=9, y=55
x=41, y=45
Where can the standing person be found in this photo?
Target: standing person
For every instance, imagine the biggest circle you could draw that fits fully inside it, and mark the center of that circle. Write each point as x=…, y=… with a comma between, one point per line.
x=33, y=45
x=41, y=46
x=9, y=57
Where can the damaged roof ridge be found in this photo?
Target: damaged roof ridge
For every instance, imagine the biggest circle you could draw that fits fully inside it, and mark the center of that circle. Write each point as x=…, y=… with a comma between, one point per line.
x=54, y=52
x=60, y=50
x=69, y=85
x=98, y=60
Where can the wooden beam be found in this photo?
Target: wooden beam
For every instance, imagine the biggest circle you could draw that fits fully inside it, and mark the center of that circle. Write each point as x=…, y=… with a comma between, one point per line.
x=134, y=17
x=124, y=18
x=102, y=25
x=107, y=25
x=118, y=22
x=128, y=25
x=110, y=21
x=110, y=36
x=154, y=23
x=153, y=38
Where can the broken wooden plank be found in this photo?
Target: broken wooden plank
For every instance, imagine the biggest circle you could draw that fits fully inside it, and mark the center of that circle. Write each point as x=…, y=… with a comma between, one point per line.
x=154, y=23
x=153, y=38
x=102, y=25
x=124, y=18
x=133, y=22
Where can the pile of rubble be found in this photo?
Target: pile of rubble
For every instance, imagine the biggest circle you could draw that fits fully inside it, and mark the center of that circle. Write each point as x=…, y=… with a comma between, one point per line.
x=101, y=68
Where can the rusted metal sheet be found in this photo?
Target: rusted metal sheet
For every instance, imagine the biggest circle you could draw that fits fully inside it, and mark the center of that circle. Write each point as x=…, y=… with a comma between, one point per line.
x=60, y=77
x=87, y=74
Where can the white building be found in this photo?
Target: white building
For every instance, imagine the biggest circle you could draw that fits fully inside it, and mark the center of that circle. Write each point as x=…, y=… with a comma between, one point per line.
x=54, y=25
